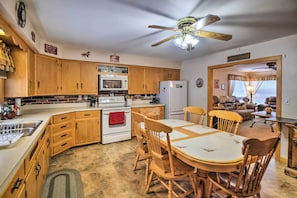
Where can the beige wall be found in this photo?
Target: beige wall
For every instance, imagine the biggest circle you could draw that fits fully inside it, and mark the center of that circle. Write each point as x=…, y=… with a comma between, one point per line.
x=1, y=91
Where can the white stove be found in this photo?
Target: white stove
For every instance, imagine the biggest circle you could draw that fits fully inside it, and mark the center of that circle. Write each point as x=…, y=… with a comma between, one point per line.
x=115, y=119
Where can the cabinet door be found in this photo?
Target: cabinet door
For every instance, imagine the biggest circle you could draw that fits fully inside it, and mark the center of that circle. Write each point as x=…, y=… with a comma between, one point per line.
x=87, y=127
x=171, y=74
x=47, y=75
x=70, y=77
x=88, y=78
x=152, y=78
x=20, y=83
x=136, y=80
x=31, y=190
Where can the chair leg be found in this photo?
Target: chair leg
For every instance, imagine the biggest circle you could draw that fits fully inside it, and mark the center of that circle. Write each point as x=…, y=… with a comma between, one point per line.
x=170, y=189
x=209, y=190
x=147, y=171
x=149, y=182
x=136, y=161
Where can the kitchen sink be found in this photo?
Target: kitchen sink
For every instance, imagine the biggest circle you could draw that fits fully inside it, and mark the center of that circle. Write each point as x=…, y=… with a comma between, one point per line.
x=29, y=127
x=12, y=130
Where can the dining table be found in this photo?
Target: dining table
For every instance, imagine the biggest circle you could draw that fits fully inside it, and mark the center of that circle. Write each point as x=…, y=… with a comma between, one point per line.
x=204, y=148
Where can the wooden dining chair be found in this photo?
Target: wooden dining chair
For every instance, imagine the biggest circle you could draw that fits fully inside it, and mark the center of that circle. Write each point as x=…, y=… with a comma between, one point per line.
x=225, y=120
x=245, y=182
x=194, y=114
x=166, y=168
x=153, y=113
x=141, y=148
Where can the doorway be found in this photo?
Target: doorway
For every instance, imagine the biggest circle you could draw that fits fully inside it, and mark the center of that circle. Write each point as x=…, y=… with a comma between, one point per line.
x=276, y=59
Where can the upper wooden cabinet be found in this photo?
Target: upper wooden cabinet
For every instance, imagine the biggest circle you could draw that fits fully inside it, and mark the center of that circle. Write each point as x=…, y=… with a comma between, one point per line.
x=144, y=80
x=152, y=78
x=21, y=82
x=47, y=75
x=79, y=77
x=171, y=74
x=136, y=80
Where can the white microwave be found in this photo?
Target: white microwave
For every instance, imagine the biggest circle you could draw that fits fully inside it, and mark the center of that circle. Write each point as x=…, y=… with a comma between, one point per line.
x=113, y=83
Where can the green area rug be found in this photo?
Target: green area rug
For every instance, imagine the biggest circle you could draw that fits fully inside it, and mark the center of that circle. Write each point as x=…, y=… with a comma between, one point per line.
x=65, y=183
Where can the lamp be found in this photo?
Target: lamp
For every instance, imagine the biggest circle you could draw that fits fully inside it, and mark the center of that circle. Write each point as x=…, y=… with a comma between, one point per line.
x=186, y=41
x=251, y=90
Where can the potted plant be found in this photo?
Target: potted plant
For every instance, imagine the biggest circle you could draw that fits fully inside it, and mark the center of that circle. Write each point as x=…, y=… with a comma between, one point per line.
x=9, y=111
x=268, y=110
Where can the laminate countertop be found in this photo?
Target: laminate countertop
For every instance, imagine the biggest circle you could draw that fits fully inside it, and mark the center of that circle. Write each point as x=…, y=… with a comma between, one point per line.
x=11, y=157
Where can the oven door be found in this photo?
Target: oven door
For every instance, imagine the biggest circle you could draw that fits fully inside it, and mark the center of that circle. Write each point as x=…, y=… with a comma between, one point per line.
x=112, y=131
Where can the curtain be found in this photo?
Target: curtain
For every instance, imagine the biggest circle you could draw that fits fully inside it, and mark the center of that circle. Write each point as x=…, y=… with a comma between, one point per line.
x=6, y=62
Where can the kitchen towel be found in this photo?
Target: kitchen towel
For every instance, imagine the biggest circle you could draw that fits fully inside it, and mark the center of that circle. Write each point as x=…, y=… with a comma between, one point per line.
x=116, y=118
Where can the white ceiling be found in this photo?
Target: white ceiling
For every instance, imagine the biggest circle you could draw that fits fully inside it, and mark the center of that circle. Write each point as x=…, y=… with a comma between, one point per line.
x=121, y=26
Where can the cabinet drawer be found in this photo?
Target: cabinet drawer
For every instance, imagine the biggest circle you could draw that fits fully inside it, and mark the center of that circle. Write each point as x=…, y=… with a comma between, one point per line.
x=62, y=127
x=87, y=114
x=63, y=118
x=62, y=146
x=59, y=137
x=17, y=184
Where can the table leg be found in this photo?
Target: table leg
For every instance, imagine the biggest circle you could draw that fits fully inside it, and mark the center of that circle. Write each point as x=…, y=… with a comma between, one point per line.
x=202, y=183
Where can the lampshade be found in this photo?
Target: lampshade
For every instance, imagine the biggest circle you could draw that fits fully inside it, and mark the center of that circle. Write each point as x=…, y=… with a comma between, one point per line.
x=251, y=89
x=186, y=41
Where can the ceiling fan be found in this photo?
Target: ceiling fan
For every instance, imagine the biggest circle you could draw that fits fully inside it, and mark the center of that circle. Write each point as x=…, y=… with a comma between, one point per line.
x=188, y=28
x=269, y=65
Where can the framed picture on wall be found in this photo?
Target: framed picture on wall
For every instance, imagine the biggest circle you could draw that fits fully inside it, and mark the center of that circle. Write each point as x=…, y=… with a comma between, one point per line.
x=222, y=86
x=216, y=84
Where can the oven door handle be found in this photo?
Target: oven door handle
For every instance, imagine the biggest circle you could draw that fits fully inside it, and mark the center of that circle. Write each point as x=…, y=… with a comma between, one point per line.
x=107, y=113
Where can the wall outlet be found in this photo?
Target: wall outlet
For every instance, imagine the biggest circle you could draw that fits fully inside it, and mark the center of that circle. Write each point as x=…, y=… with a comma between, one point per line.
x=287, y=100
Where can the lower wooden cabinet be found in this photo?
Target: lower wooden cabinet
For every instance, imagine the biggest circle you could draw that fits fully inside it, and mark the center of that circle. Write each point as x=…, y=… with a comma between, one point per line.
x=148, y=109
x=16, y=187
x=87, y=127
x=62, y=132
x=37, y=163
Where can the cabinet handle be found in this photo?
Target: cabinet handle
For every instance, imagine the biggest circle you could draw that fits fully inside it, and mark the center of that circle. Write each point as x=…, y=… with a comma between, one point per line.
x=38, y=168
x=87, y=114
x=63, y=118
x=64, y=126
x=38, y=84
x=63, y=135
x=16, y=185
x=77, y=86
x=81, y=85
x=64, y=144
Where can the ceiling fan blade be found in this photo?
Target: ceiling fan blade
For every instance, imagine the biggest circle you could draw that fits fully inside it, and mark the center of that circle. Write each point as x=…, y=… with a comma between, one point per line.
x=214, y=35
x=164, y=40
x=207, y=20
x=162, y=27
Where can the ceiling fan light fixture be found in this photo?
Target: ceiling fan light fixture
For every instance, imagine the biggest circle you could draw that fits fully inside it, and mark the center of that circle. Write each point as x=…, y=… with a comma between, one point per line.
x=186, y=41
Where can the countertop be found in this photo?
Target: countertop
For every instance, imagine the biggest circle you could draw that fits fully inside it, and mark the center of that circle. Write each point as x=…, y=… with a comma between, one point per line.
x=11, y=157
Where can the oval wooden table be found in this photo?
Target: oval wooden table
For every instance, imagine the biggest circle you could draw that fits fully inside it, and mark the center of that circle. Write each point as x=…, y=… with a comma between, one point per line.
x=206, y=149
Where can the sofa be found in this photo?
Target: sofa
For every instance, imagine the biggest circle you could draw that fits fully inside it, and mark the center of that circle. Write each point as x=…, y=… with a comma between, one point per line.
x=269, y=102
x=231, y=103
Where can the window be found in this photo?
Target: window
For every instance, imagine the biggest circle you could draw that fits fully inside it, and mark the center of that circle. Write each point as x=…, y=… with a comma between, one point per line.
x=239, y=88
x=268, y=88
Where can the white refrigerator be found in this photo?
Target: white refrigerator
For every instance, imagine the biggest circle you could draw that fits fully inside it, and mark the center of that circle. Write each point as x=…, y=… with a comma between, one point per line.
x=174, y=95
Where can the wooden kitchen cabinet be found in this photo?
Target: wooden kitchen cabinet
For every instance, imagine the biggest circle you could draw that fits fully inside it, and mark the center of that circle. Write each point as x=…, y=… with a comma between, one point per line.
x=17, y=186
x=62, y=137
x=79, y=77
x=21, y=82
x=152, y=78
x=171, y=74
x=47, y=75
x=147, y=109
x=87, y=127
x=36, y=165
x=136, y=80
x=144, y=80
